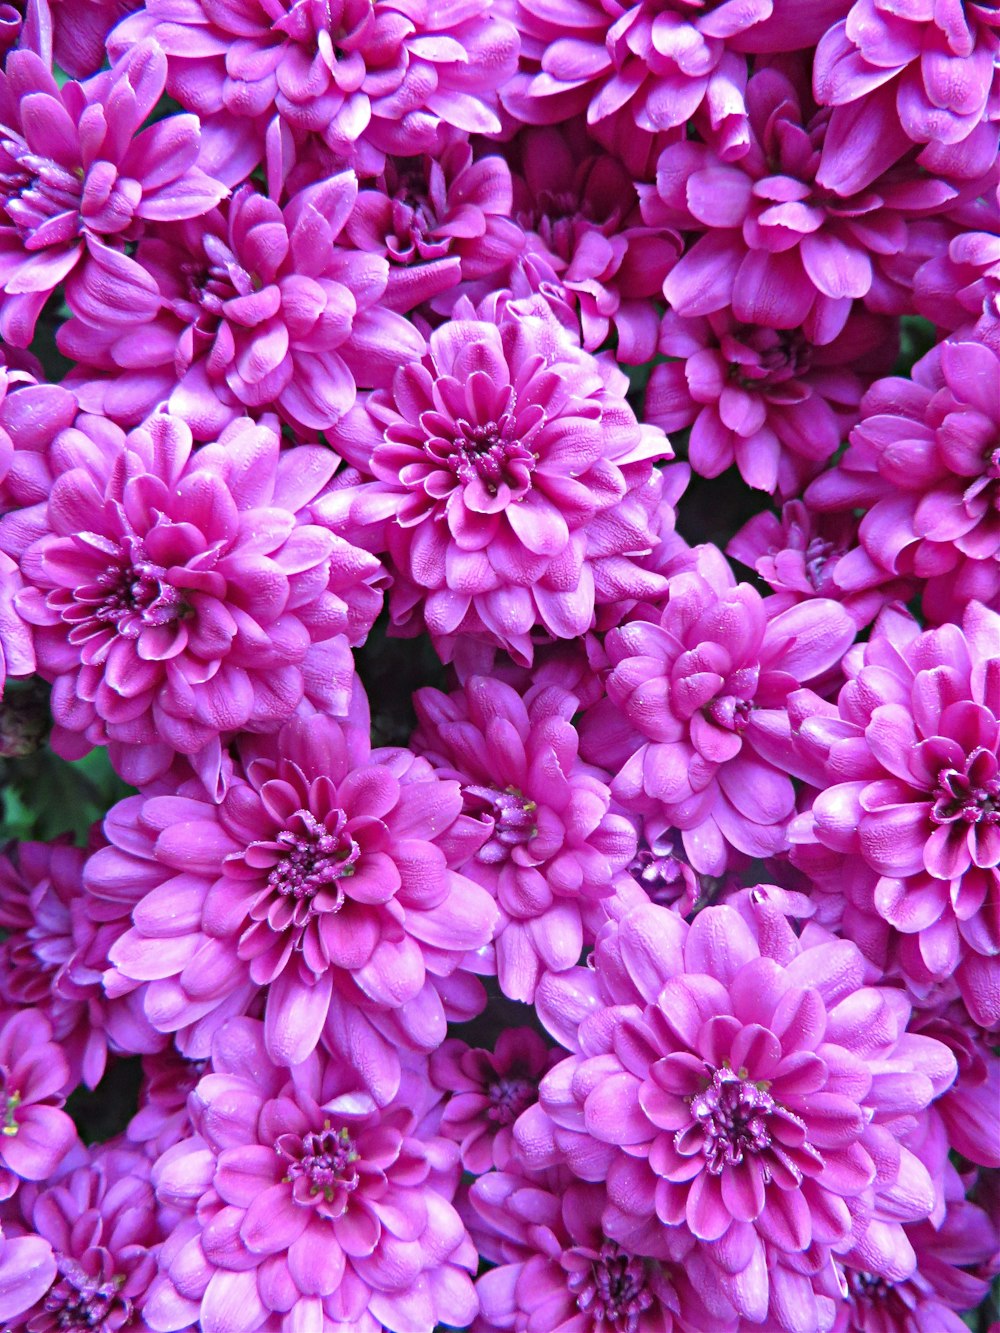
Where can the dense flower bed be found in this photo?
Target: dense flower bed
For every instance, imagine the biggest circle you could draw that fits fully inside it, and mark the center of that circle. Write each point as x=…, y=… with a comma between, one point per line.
x=499, y=666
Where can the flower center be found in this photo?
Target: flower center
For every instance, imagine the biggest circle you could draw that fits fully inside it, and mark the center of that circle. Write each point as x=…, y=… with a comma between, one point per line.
x=729, y=712
x=312, y=856
x=83, y=1301
x=35, y=190
x=509, y=1097
x=492, y=452
x=970, y=795
x=513, y=816
x=818, y=554
x=11, y=1102
x=613, y=1290
x=321, y=1166
x=130, y=595
x=732, y=1113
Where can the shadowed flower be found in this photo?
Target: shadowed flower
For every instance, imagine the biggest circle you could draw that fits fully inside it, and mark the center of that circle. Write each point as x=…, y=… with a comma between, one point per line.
x=35, y=1135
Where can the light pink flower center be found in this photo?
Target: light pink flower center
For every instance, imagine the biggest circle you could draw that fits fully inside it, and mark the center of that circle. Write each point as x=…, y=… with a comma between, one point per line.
x=131, y=594
x=313, y=856
x=732, y=1114
x=513, y=815
x=321, y=1166
x=509, y=1096
x=37, y=190
x=970, y=795
x=84, y=1300
x=612, y=1289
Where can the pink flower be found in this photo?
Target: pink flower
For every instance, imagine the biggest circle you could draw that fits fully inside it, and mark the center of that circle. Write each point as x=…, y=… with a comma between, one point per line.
x=912, y=777
x=695, y=721
x=101, y=1222
x=958, y=287
x=784, y=247
x=251, y=307
x=898, y=73
x=743, y=1085
x=27, y=1268
x=316, y=1208
x=513, y=487
x=162, y=1118
x=770, y=400
x=924, y=463
x=78, y=179
x=553, y=843
x=326, y=875
x=372, y=77
x=36, y=1135
x=487, y=1091
x=179, y=597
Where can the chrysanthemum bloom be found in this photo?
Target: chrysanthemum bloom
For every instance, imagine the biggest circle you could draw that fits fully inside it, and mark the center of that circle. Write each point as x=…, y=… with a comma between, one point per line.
x=32, y=415
x=180, y=596
x=805, y=553
x=746, y=1086
x=325, y=875
x=556, y=1270
x=438, y=221
x=512, y=482
x=772, y=401
x=663, y=63
x=487, y=1091
x=695, y=723
x=251, y=307
x=924, y=463
x=78, y=177
x=553, y=844
x=35, y=1135
x=898, y=73
x=958, y=287
x=101, y=1222
x=27, y=1268
x=783, y=249
x=372, y=77
x=317, y=1210
x=912, y=786
x=69, y=33
x=968, y=1108
x=580, y=210
x=46, y=961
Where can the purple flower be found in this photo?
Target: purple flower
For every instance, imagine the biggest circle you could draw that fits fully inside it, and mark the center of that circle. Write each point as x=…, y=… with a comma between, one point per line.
x=958, y=287
x=558, y=1271
x=743, y=1085
x=438, y=221
x=251, y=307
x=325, y=875
x=967, y=1108
x=78, y=178
x=487, y=1091
x=35, y=1135
x=695, y=720
x=513, y=486
x=911, y=785
x=924, y=462
x=664, y=63
x=178, y=597
x=898, y=73
x=783, y=248
x=27, y=1268
x=552, y=842
x=162, y=1118
x=316, y=1208
x=771, y=400
x=69, y=33
x=372, y=77
x=101, y=1222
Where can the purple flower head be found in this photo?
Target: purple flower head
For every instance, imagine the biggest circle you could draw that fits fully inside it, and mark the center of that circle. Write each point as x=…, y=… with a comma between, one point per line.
x=316, y=1208
x=958, y=287
x=695, y=721
x=783, y=248
x=663, y=63
x=742, y=1085
x=178, y=597
x=924, y=462
x=35, y=1135
x=79, y=177
x=805, y=554
x=556, y=1269
x=911, y=786
x=911, y=73
x=325, y=874
x=249, y=308
x=27, y=1269
x=770, y=400
x=552, y=841
x=513, y=485
x=101, y=1222
x=967, y=1109
x=487, y=1091
x=371, y=77
x=439, y=221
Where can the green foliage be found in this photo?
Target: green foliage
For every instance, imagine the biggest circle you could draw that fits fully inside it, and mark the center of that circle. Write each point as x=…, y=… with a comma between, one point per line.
x=43, y=796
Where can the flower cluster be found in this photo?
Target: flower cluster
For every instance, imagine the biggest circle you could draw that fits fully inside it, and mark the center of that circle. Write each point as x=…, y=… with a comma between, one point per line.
x=499, y=666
